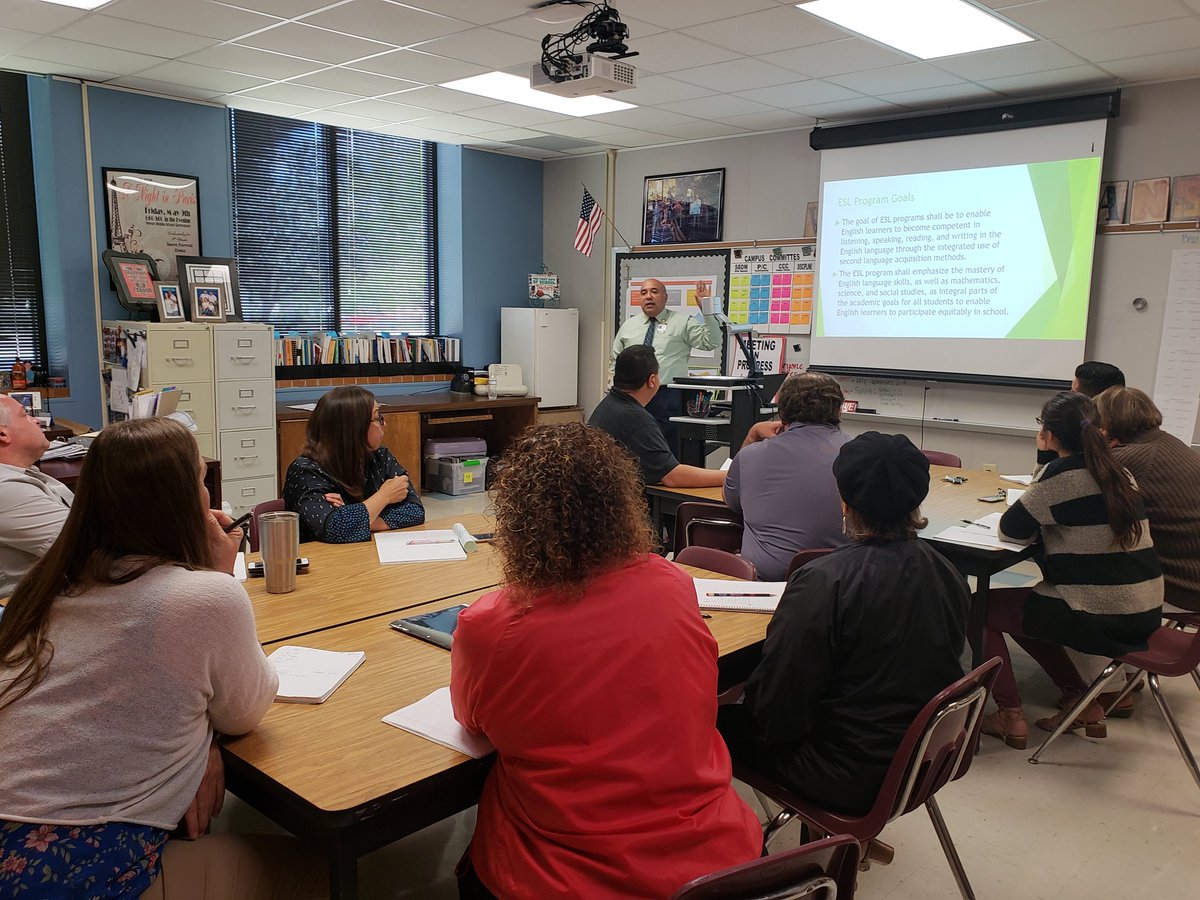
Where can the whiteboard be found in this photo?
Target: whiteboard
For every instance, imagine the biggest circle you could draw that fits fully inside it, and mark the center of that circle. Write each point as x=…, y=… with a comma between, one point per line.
x=962, y=403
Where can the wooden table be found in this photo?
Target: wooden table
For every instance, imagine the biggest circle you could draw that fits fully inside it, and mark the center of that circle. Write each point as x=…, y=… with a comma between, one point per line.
x=346, y=583
x=67, y=471
x=335, y=775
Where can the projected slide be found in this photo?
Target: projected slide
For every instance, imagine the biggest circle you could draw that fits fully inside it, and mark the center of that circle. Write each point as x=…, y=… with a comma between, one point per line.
x=1001, y=252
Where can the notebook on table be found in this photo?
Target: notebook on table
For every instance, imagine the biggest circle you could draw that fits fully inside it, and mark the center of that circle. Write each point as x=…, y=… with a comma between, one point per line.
x=739, y=596
x=307, y=675
x=424, y=546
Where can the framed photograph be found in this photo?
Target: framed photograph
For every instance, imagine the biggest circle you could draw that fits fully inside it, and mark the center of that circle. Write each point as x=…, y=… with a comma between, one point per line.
x=208, y=302
x=195, y=270
x=684, y=208
x=1113, y=195
x=170, y=302
x=1185, y=198
x=133, y=276
x=1149, y=202
x=156, y=213
x=810, y=219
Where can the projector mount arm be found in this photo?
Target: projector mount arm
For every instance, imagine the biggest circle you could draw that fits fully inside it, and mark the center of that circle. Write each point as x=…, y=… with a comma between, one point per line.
x=602, y=25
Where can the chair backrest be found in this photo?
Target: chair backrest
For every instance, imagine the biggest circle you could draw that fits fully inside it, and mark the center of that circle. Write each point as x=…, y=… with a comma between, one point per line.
x=265, y=507
x=822, y=870
x=938, y=746
x=717, y=561
x=702, y=524
x=804, y=557
x=942, y=458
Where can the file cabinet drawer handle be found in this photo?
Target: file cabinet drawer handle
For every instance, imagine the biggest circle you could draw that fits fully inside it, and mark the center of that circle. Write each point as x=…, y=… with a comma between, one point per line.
x=250, y=357
x=243, y=458
x=179, y=360
x=255, y=406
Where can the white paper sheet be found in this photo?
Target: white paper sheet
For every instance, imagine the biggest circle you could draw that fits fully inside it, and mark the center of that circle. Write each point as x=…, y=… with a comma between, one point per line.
x=983, y=532
x=1018, y=479
x=307, y=675
x=738, y=596
x=118, y=396
x=433, y=719
x=306, y=407
x=417, y=546
x=1177, y=383
x=239, y=567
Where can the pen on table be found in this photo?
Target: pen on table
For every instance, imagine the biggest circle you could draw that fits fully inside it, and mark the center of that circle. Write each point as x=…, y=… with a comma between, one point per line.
x=705, y=616
x=737, y=594
x=977, y=524
x=434, y=541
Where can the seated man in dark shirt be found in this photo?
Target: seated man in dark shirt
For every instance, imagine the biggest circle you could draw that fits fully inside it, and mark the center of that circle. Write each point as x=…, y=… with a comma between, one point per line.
x=623, y=415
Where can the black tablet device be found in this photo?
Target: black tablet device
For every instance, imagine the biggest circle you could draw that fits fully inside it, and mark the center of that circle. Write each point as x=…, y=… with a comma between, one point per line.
x=436, y=627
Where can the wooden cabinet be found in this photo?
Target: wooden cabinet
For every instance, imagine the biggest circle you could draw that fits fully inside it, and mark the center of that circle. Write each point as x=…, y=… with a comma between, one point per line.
x=401, y=435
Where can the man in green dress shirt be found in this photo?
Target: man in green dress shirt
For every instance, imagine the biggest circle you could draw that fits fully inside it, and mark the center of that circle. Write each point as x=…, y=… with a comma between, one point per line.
x=673, y=335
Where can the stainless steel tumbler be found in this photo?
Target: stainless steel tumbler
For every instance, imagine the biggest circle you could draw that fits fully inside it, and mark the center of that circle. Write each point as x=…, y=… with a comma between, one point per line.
x=279, y=540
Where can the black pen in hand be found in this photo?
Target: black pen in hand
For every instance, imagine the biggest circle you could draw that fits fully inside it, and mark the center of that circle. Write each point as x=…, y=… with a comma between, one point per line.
x=237, y=523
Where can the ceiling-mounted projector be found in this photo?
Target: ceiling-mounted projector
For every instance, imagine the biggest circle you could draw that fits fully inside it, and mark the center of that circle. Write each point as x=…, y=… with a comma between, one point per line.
x=583, y=75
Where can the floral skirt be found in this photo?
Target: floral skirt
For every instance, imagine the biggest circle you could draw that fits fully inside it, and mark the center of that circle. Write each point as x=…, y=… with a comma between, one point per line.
x=87, y=862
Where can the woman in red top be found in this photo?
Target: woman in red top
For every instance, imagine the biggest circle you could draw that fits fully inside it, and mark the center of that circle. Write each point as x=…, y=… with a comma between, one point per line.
x=596, y=678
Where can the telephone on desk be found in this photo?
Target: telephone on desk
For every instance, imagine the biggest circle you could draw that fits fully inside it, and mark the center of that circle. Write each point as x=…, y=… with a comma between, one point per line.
x=504, y=380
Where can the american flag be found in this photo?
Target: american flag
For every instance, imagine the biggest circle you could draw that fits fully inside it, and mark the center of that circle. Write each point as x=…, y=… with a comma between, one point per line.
x=591, y=217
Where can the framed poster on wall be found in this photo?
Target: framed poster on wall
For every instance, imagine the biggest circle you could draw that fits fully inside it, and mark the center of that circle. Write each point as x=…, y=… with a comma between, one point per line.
x=156, y=213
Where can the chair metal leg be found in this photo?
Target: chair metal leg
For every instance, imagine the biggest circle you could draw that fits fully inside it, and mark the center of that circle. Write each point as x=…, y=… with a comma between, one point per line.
x=1196, y=677
x=1130, y=684
x=1073, y=713
x=943, y=834
x=776, y=825
x=764, y=801
x=1180, y=741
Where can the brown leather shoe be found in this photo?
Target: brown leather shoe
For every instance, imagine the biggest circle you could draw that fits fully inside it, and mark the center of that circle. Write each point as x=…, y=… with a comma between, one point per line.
x=1091, y=720
x=1008, y=724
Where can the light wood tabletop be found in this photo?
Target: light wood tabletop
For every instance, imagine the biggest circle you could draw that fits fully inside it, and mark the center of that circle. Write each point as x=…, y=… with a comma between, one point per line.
x=346, y=582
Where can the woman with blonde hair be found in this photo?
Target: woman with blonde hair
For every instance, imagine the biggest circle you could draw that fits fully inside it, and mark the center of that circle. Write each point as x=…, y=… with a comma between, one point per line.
x=594, y=675
x=1168, y=476
x=345, y=484
x=122, y=651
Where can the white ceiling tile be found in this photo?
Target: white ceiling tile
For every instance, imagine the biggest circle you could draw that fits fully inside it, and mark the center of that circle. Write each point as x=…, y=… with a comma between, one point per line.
x=313, y=43
x=46, y=67
x=183, y=92
x=629, y=137
x=1162, y=66
x=669, y=51
x=298, y=95
x=648, y=118
x=462, y=124
x=215, y=20
x=835, y=57
x=388, y=22
x=909, y=77
x=1052, y=18
x=655, y=89
x=852, y=109
x=108, y=31
x=414, y=65
x=441, y=99
x=800, y=93
x=1135, y=40
x=213, y=81
x=11, y=40
x=579, y=128
x=486, y=47
x=513, y=134
x=416, y=132
x=344, y=120
x=955, y=96
x=682, y=13
x=352, y=81
x=77, y=56
x=374, y=108
x=1037, y=56
x=735, y=75
x=716, y=107
x=248, y=61
x=480, y=13
x=779, y=28
x=284, y=9
x=1051, y=82
x=252, y=104
x=1193, y=5
x=701, y=130
x=770, y=121
x=518, y=116
x=583, y=151
x=39, y=18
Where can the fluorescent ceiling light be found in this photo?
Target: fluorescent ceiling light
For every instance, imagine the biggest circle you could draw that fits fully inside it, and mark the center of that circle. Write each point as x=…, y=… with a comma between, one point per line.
x=924, y=28
x=514, y=89
x=79, y=4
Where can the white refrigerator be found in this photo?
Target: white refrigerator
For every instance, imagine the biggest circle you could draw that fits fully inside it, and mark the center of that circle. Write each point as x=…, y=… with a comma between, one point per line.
x=545, y=344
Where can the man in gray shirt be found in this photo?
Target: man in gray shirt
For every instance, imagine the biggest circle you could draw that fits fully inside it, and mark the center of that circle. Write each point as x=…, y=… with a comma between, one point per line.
x=33, y=506
x=784, y=486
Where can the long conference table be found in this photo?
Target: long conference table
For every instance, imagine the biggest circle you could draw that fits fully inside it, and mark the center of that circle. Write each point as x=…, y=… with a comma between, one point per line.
x=334, y=774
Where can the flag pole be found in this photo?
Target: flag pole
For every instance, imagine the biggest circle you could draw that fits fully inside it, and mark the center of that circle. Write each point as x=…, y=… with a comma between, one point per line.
x=608, y=216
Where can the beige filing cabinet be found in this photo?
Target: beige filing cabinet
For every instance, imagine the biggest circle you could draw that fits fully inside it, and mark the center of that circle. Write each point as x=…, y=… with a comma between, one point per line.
x=244, y=380
x=180, y=355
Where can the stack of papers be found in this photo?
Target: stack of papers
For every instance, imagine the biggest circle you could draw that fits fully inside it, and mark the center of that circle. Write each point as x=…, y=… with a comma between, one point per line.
x=424, y=546
x=310, y=676
x=64, y=450
x=739, y=596
x=1026, y=480
x=433, y=719
x=982, y=532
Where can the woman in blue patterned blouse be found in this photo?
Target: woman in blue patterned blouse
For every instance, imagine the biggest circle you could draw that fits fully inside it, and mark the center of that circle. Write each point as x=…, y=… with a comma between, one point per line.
x=345, y=483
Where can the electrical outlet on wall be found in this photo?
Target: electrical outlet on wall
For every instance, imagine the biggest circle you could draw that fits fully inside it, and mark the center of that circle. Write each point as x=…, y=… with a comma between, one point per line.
x=989, y=467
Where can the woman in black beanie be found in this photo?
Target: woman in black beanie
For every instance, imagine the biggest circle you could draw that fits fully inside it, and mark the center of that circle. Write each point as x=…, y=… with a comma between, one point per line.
x=862, y=639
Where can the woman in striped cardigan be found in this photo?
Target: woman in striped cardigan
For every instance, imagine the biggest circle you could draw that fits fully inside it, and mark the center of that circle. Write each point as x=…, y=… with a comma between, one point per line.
x=1101, y=590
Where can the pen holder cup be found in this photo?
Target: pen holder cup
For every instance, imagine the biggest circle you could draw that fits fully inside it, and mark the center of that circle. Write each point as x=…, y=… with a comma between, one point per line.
x=699, y=404
x=279, y=539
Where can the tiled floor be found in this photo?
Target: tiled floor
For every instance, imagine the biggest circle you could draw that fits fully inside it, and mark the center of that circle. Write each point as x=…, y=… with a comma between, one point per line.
x=1118, y=817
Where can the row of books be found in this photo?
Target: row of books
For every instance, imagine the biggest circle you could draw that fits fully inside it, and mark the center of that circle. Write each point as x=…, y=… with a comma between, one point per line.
x=318, y=349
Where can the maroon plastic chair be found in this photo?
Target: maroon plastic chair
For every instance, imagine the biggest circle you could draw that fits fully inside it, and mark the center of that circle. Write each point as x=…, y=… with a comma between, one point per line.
x=265, y=507
x=822, y=870
x=702, y=524
x=717, y=561
x=1171, y=653
x=937, y=749
x=804, y=557
x=942, y=458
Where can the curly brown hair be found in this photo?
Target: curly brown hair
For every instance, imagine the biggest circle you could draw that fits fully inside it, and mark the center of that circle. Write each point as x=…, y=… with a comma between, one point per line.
x=569, y=506
x=810, y=397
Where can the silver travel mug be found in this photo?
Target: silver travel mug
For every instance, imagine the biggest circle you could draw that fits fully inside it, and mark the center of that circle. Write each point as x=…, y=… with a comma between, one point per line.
x=279, y=540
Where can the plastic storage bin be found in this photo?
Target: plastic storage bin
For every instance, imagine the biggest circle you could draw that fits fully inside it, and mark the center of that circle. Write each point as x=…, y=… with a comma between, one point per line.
x=456, y=475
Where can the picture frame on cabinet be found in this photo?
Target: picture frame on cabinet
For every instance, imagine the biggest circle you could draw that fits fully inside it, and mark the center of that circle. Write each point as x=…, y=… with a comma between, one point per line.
x=133, y=277
x=195, y=270
x=156, y=213
x=171, y=307
x=208, y=301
